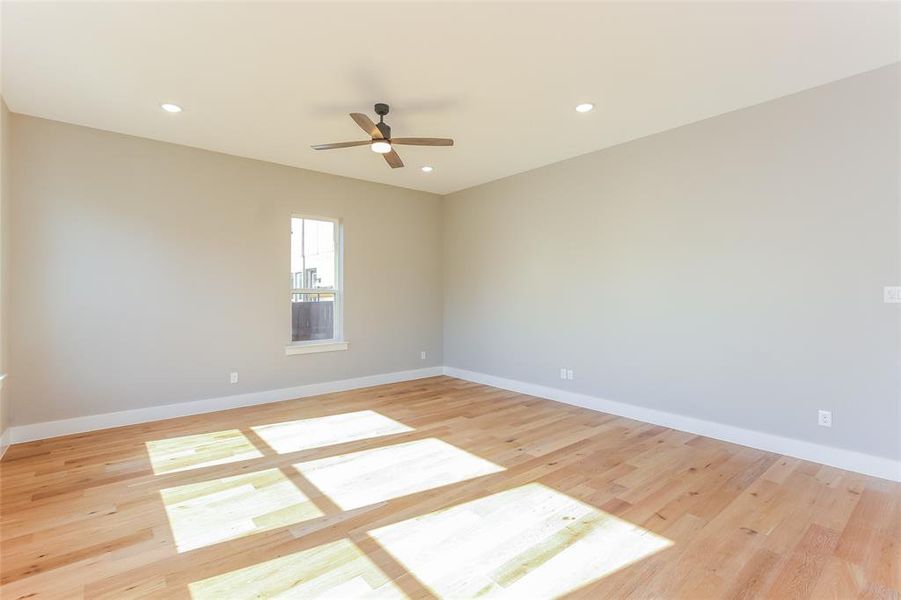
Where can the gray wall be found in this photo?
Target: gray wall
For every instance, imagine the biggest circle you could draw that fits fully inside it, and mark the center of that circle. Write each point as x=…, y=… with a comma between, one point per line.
x=730, y=270
x=145, y=272
x=5, y=172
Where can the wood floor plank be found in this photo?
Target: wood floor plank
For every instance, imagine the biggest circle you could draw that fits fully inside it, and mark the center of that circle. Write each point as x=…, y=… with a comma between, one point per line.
x=430, y=488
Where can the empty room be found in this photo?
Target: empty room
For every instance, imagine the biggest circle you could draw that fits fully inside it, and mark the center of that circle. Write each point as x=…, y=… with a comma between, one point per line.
x=446, y=300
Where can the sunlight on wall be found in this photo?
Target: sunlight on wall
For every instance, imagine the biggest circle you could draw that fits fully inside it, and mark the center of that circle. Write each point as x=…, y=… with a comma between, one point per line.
x=336, y=570
x=202, y=450
x=369, y=476
x=201, y=514
x=304, y=434
x=527, y=542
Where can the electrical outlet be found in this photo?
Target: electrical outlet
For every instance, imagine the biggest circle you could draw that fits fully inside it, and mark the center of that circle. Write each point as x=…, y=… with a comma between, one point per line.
x=824, y=418
x=234, y=377
x=563, y=373
x=422, y=355
x=569, y=374
x=892, y=294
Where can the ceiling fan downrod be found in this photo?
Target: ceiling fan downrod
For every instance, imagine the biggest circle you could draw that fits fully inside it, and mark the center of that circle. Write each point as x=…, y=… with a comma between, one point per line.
x=381, y=109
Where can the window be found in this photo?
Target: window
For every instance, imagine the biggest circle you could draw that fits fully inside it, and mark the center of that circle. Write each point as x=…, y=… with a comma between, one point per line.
x=315, y=286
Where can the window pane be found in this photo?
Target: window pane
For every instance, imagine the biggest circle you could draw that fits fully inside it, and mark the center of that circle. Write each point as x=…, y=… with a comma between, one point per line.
x=312, y=317
x=312, y=253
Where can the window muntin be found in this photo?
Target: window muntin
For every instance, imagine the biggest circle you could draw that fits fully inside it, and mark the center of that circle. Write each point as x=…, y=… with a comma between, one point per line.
x=315, y=280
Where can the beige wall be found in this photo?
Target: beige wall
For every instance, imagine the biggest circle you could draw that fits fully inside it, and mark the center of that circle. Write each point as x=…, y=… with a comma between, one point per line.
x=730, y=270
x=146, y=272
x=5, y=172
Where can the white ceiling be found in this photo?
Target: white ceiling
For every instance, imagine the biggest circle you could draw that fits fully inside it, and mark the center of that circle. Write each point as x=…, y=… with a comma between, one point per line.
x=266, y=80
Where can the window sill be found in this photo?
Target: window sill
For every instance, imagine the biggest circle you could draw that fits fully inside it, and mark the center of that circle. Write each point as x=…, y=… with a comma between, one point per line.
x=313, y=347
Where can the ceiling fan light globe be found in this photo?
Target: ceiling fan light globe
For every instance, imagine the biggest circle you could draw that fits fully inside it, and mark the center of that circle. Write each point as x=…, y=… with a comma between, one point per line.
x=381, y=146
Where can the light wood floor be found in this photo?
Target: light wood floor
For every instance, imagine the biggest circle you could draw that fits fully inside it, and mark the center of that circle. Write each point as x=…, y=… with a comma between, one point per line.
x=436, y=487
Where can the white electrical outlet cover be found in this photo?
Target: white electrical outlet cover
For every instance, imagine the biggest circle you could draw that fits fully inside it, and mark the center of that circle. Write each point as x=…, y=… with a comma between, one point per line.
x=892, y=294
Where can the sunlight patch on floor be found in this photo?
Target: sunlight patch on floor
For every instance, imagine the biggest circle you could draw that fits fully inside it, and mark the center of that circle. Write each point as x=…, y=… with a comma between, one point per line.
x=202, y=514
x=336, y=570
x=369, y=476
x=304, y=434
x=527, y=542
x=201, y=450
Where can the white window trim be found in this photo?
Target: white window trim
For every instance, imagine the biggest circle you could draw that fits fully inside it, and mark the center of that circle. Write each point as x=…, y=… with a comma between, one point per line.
x=338, y=342
x=313, y=346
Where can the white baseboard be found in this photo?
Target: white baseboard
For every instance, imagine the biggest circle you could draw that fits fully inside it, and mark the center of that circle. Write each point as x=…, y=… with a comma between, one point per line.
x=850, y=460
x=49, y=429
x=867, y=464
x=6, y=433
x=5, y=438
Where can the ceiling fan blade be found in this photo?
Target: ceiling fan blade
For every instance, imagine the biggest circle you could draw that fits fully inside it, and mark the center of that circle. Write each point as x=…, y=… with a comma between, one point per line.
x=423, y=141
x=339, y=145
x=366, y=125
x=393, y=159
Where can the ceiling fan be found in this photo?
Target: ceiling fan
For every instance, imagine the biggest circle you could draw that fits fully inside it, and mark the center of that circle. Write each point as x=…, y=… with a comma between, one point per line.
x=381, y=141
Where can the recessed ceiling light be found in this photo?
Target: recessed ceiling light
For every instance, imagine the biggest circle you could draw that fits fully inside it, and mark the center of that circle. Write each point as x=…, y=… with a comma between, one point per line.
x=381, y=146
x=173, y=108
x=426, y=169
x=586, y=107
